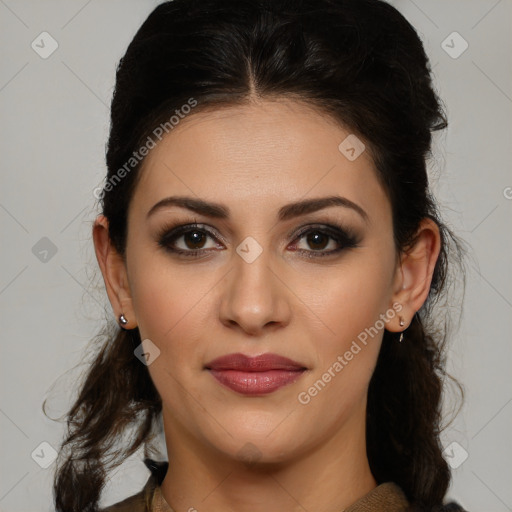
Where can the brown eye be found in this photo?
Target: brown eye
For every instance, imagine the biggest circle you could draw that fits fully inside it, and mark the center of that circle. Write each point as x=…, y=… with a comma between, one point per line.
x=194, y=239
x=187, y=240
x=324, y=240
x=317, y=240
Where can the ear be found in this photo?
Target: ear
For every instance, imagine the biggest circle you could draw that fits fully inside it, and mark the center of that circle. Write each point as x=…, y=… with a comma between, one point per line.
x=414, y=273
x=113, y=268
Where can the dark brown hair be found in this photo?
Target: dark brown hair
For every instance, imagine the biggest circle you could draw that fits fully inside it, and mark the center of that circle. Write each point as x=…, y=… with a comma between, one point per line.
x=363, y=64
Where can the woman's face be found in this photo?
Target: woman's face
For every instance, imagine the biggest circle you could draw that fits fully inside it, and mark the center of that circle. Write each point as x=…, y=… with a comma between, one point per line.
x=315, y=285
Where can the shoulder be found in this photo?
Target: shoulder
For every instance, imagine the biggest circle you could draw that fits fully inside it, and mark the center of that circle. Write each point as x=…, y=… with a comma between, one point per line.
x=452, y=506
x=135, y=503
x=393, y=497
x=141, y=502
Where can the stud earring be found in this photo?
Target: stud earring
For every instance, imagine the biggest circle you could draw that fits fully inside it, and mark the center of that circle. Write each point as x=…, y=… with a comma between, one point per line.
x=402, y=323
x=122, y=320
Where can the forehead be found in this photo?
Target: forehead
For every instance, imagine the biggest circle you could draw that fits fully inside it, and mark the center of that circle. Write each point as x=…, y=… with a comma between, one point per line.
x=263, y=154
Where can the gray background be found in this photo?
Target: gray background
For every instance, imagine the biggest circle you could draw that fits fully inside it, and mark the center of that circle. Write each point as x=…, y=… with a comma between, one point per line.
x=54, y=114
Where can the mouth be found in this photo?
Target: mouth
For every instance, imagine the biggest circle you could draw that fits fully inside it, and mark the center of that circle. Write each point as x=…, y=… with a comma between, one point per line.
x=257, y=375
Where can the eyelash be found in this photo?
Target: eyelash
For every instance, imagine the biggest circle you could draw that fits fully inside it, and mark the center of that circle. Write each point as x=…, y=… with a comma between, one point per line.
x=344, y=237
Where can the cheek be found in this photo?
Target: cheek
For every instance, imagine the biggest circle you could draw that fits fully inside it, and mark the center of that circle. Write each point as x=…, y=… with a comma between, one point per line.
x=354, y=296
x=352, y=305
x=171, y=312
x=345, y=360
x=160, y=292
x=171, y=304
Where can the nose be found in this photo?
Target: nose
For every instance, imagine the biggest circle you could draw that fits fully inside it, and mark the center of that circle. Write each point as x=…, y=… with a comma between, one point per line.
x=255, y=297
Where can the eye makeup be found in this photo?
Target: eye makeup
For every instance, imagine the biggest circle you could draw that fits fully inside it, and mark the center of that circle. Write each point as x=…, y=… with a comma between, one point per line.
x=195, y=236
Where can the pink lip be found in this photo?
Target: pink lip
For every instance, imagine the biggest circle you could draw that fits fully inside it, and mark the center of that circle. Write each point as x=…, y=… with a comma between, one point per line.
x=255, y=375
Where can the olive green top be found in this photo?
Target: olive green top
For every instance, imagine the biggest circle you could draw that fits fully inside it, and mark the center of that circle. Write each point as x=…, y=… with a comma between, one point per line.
x=386, y=497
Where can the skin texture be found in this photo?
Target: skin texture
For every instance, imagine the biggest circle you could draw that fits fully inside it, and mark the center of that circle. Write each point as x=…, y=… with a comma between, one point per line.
x=253, y=160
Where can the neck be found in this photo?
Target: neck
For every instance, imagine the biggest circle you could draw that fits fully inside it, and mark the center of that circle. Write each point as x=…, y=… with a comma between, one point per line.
x=327, y=477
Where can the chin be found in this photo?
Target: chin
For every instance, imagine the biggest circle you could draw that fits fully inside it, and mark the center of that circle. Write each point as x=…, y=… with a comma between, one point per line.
x=254, y=450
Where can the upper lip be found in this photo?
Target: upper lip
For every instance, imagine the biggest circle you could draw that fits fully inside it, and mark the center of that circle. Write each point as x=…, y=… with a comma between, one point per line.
x=261, y=363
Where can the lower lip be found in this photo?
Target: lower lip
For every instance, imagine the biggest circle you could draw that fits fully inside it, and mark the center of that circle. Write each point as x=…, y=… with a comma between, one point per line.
x=256, y=383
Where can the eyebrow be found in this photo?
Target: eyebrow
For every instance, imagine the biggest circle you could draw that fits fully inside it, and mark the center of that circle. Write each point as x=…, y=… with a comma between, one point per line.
x=289, y=211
